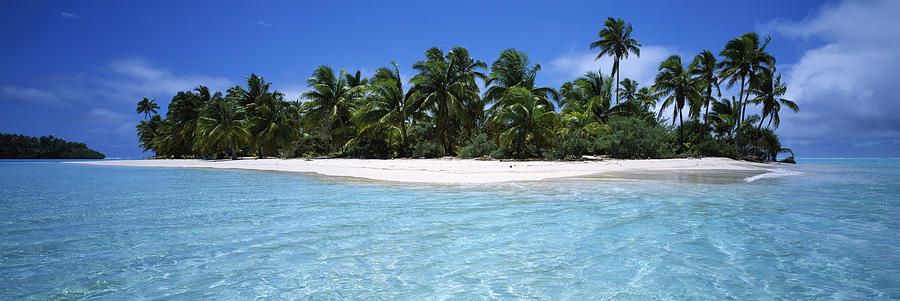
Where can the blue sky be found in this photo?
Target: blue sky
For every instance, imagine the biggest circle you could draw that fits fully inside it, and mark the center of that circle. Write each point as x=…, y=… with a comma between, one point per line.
x=76, y=69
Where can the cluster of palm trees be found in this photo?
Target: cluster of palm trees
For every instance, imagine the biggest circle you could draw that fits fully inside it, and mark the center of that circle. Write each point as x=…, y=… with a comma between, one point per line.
x=204, y=124
x=443, y=106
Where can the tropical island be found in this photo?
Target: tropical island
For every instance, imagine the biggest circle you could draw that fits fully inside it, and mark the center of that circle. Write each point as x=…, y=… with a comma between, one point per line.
x=14, y=146
x=444, y=112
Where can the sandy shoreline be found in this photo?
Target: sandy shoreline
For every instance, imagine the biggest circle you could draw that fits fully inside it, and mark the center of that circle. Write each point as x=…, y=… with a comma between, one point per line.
x=449, y=170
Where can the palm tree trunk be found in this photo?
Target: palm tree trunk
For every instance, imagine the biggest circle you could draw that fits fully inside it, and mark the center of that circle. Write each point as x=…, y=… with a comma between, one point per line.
x=403, y=136
x=740, y=116
x=708, y=96
x=680, y=126
x=617, y=80
x=233, y=153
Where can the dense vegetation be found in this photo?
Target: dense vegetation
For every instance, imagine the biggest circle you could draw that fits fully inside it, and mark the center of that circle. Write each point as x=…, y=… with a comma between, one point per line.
x=25, y=147
x=441, y=110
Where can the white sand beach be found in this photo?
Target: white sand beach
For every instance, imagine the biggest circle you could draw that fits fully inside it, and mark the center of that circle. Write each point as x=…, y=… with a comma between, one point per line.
x=449, y=170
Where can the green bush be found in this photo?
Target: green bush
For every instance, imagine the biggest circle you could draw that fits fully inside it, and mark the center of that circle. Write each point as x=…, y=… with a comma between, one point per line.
x=570, y=147
x=761, y=144
x=371, y=148
x=422, y=141
x=697, y=140
x=311, y=146
x=635, y=138
x=479, y=146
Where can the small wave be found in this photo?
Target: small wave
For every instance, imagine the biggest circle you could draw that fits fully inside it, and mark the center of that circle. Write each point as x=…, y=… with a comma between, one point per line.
x=773, y=173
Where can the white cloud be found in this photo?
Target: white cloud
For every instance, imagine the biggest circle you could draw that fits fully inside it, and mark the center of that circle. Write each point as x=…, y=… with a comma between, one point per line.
x=68, y=15
x=642, y=69
x=105, y=116
x=845, y=87
x=261, y=23
x=136, y=78
x=30, y=96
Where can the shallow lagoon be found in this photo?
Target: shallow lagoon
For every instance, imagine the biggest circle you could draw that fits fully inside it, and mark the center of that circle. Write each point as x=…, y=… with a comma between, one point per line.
x=829, y=228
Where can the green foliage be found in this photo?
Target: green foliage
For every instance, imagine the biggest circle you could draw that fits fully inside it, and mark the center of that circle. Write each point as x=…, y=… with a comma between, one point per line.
x=311, y=146
x=698, y=141
x=443, y=111
x=526, y=123
x=222, y=126
x=635, y=138
x=46, y=147
x=423, y=137
x=371, y=148
x=479, y=146
x=571, y=146
x=761, y=143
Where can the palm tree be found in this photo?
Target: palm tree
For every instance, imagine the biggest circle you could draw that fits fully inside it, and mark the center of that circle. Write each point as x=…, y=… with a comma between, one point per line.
x=183, y=115
x=222, y=125
x=703, y=68
x=596, y=93
x=630, y=87
x=444, y=89
x=273, y=122
x=147, y=107
x=725, y=115
x=675, y=82
x=616, y=41
x=386, y=108
x=525, y=122
x=513, y=69
x=743, y=57
x=356, y=79
x=769, y=93
x=147, y=132
x=330, y=104
x=646, y=97
x=256, y=88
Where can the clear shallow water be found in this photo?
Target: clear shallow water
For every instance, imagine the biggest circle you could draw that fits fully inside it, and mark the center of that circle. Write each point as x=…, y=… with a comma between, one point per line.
x=71, y=232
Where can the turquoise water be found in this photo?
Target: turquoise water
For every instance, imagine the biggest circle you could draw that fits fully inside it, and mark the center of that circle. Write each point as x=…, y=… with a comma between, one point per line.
x=825, y=229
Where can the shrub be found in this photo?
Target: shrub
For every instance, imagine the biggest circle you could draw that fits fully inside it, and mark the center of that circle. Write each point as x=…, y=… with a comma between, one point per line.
x=633, y=137
x=761, y=144
x=311, y=146
x=371, y=148
x=570, y=147
x=422, y=141
x=478, y=146
x=698, y=141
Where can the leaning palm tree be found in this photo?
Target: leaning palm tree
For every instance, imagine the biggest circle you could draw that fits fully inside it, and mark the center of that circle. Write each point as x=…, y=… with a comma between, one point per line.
x=147, y=107
x=443, y=89
x=769, y=93
x=330, y=103
x=273, y=122
x=675, y=82
x=513, y=69
x=385, y=111
x=616, y=41
x=222, y=125
x=527, y=124
x=703, y=68
x=743, y=57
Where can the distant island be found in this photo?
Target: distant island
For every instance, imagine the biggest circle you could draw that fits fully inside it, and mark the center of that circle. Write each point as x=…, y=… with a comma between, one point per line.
x=14, y=146
x=442, y=111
